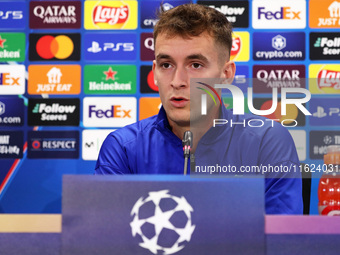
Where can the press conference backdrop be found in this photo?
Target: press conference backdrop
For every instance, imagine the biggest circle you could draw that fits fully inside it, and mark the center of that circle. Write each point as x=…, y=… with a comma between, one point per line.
x=73, y=71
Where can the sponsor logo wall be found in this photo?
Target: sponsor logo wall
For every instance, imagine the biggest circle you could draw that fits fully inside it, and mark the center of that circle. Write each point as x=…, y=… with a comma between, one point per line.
x=72, y=71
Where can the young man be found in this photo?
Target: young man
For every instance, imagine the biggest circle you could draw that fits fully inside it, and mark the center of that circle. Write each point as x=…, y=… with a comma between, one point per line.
x=194, y=41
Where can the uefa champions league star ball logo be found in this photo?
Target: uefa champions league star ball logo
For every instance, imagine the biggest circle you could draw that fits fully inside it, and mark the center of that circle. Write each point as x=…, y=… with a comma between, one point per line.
x=162, y=222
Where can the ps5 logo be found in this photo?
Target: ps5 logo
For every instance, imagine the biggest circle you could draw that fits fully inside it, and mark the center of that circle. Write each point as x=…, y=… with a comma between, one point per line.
x=95, y=47
x=11, y=14
x=320, y=112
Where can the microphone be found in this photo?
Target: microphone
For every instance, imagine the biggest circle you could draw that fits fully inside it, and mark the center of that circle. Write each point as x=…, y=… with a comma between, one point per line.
x=187, y=144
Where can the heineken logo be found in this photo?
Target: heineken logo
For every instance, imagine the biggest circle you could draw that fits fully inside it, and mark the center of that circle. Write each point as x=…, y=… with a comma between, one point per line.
x=110, y=74
x=12, y=47
x=110, y=79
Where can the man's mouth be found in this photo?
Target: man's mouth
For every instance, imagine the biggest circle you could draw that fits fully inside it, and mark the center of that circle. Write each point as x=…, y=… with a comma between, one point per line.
x=179, y=102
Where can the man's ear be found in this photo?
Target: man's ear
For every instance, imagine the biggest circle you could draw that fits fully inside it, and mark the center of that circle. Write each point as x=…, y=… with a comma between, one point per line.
x=229, y=70
x=153, y=70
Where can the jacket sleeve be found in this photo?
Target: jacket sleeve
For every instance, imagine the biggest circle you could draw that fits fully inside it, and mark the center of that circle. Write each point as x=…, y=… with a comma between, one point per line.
x=112, y=157
x=283, y=189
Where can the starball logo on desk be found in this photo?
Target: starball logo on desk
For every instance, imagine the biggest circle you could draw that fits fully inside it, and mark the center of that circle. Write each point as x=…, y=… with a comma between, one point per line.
x=177, y=222
x=111, y=14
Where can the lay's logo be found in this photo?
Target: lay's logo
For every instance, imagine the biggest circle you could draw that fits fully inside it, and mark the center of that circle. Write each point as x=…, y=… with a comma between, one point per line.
x=326, y=79
x=329, y=79
x=240, y=47
x=111, y=15
x=236, y=47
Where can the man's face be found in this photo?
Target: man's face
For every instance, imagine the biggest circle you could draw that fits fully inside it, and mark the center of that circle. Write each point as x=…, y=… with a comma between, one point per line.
x=178, y=60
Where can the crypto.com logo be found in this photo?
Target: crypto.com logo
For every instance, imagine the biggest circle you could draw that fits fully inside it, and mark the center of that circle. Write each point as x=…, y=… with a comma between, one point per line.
x=238, y=99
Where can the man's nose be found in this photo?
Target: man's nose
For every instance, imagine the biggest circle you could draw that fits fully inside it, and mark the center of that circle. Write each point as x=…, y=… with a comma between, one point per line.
x=180, y=78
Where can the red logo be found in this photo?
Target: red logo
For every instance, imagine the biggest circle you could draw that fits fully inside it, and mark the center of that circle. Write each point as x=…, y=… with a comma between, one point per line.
x=60, y=47
x=151, y=81
x=236, y=47
x=329, y=79
x=110, y=74
x=110, y=15
x=36, y=144
x=2, y=41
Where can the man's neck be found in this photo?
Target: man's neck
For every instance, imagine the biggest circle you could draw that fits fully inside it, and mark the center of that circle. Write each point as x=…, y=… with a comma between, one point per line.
x=199, y=128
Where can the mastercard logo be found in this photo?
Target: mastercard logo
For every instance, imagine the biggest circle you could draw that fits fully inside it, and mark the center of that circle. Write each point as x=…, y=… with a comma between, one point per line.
x=60, y=47
x=291, y=110
x=54, y=47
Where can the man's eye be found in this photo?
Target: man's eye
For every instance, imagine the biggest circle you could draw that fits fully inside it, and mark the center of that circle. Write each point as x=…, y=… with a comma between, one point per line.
x=166, y=65
x=196, y=65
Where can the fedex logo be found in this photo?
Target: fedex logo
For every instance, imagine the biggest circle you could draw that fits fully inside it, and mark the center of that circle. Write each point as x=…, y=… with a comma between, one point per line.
x=109, y=111
x=12, y=79
x=7, y=80
x=291, y=14
x=115, y=111
x=283, y=13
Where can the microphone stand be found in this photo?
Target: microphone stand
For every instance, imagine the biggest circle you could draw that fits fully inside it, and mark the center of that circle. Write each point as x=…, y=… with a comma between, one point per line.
x=187, y=144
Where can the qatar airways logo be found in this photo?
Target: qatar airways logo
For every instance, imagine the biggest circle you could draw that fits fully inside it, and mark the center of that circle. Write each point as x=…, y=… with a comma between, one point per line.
x=238, y=103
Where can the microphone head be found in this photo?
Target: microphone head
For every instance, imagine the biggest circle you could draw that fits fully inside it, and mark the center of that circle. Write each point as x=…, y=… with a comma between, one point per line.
x=187, y=139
